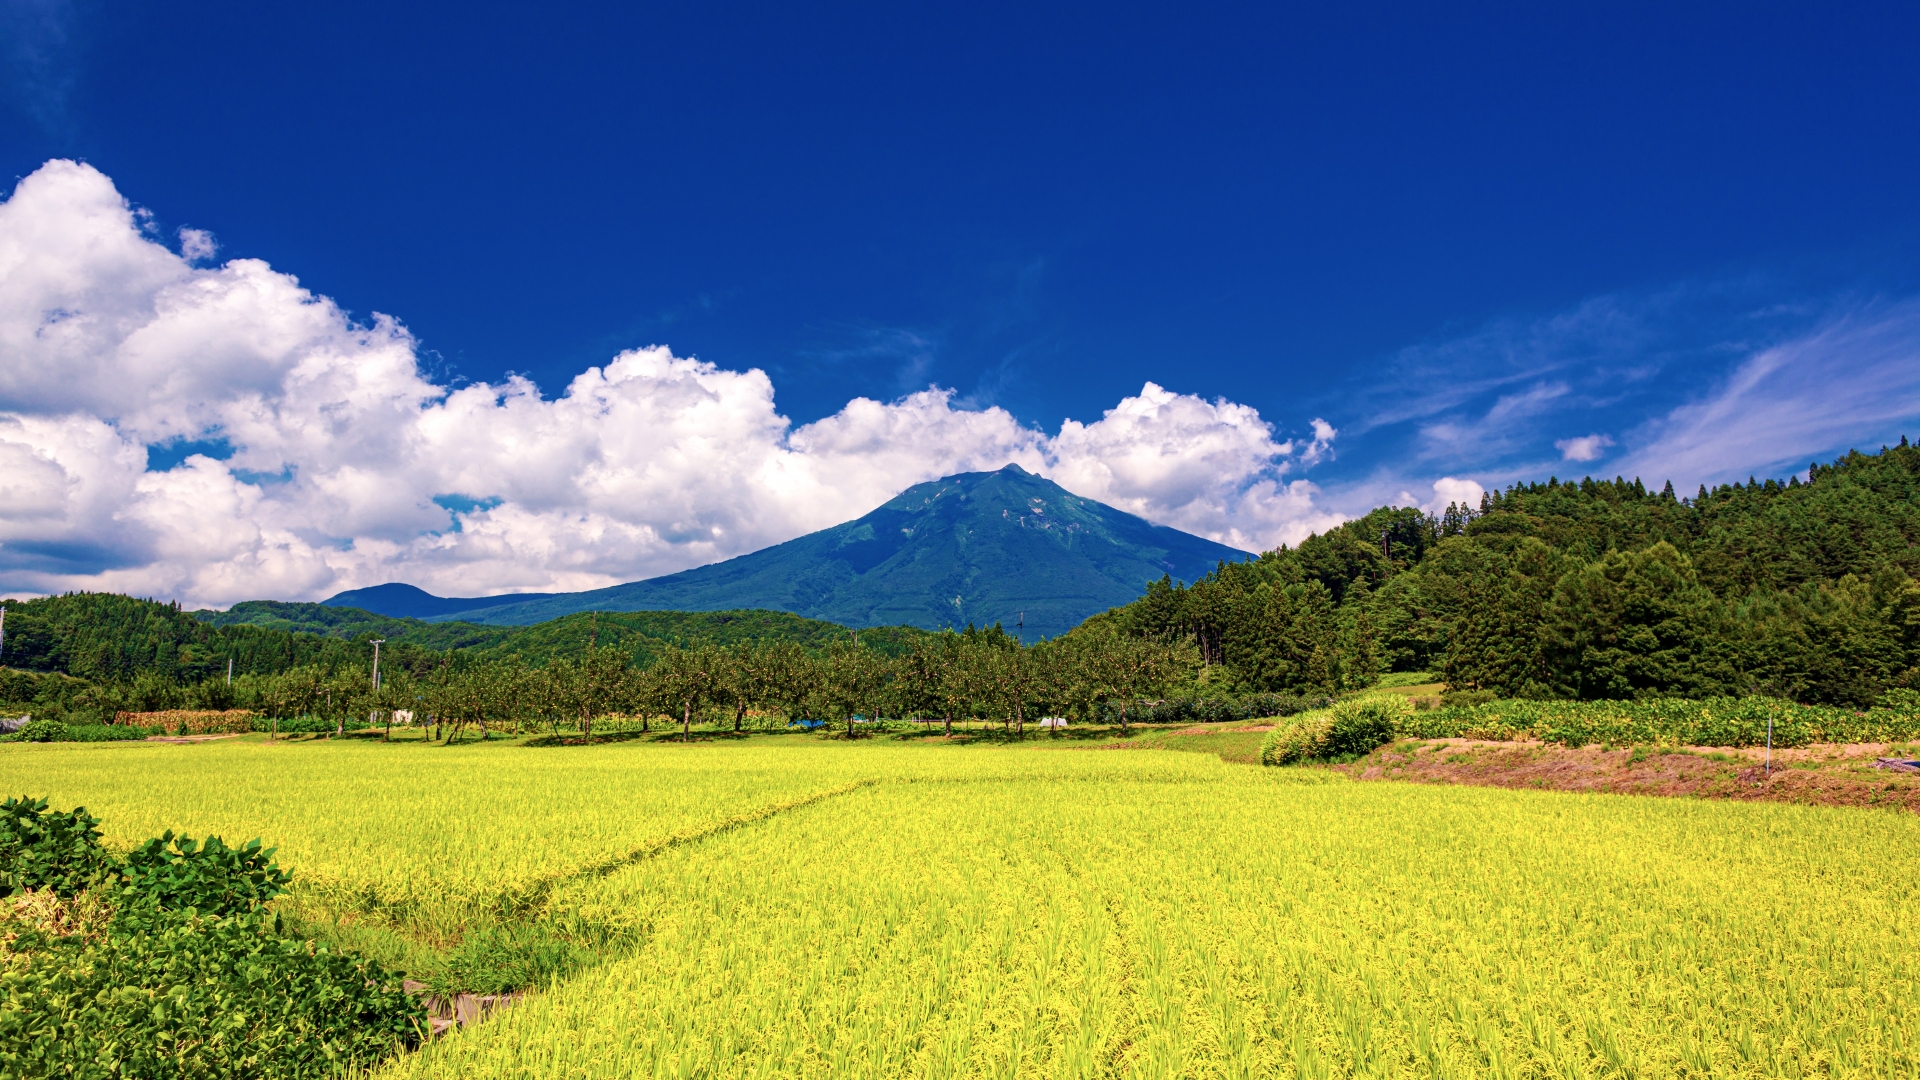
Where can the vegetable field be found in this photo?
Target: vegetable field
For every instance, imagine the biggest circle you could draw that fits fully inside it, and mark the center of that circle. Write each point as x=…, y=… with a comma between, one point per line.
x=794, y=907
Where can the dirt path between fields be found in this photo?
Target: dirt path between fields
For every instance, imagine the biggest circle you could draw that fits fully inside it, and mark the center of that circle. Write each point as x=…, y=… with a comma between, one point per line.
x=1823, y=775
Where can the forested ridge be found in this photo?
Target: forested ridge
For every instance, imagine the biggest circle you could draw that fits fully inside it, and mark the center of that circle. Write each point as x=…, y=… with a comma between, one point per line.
x=1590, y=589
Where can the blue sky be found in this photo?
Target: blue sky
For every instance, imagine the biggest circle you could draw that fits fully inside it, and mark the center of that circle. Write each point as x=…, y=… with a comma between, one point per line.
x=1480, y=243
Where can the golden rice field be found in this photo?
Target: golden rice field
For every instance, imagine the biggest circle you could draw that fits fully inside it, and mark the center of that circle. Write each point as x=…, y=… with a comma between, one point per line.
x=890, y=911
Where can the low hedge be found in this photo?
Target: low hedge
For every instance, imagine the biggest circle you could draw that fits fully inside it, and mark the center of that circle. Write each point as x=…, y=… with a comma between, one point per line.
x=308, y=725
x=55, y=731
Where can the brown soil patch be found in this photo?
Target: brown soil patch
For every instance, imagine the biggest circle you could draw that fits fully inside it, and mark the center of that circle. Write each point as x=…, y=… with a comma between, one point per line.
x=188, y=738
x=1824, y=775
x=460, y=1010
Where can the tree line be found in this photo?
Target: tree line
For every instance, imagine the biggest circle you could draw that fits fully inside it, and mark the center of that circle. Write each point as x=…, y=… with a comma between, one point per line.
x=1593, y=589
x=973, y=675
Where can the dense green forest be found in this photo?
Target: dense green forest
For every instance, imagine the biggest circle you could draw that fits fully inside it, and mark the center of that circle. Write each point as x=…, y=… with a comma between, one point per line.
x=1589, y=589
x=641, y=633
x=91, y=654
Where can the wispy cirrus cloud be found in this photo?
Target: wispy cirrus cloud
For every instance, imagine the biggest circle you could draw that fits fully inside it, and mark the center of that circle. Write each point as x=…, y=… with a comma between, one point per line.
x=1849, y=381
x=38, y=39
x=1699, y=383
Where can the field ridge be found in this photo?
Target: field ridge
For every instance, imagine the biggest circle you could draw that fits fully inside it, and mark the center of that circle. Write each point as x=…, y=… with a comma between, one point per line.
x=524, y=901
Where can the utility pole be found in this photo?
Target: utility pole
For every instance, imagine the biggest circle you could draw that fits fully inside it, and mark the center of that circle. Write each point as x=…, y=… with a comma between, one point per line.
x=388, y=736
x=3, y=629
x=229, y=671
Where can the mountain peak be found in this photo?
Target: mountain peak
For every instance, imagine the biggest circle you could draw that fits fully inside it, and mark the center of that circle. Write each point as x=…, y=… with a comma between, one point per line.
x=1006, y=546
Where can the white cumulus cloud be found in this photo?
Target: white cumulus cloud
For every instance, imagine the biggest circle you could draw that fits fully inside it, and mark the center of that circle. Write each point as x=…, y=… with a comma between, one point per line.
x=330, y=462
x=1584, y=448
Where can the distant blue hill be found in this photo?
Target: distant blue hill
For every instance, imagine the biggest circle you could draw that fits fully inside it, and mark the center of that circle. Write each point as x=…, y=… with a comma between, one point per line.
x=1006, y=547
x=406, y=602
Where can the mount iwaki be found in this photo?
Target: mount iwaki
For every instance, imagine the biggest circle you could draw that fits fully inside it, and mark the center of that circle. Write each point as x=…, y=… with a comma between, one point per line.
x=1003, y=547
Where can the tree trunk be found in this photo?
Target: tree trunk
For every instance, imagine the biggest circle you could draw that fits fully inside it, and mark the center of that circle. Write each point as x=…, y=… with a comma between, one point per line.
x=686, y=722
x=388, y=737
x=1019, y=721
x=949, y=723
x=739, y=714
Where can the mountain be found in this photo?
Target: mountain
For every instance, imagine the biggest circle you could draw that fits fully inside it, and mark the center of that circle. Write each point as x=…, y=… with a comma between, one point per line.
x=1006, y=547
x=406, y=602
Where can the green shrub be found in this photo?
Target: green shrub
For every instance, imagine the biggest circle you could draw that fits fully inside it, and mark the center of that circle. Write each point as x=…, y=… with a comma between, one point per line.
x=210, y=878
x=191, y=996
x=1352, y=726
x=1301, y=738
x=50, y=849
x=191, y=977
x=41, y=731
x=1360, y=724
x=55, y=731
x=1901, y=701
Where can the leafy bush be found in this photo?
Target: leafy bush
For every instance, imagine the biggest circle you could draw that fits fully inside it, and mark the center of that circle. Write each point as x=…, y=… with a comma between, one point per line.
x=1353, y=725
x=209, y=877
x=109, y=733
x=41, y=731
x=184, y=995
x=1901, y=701
x=50, y=849
x=1301, y=739
x=1360, y=724
x=192, y=977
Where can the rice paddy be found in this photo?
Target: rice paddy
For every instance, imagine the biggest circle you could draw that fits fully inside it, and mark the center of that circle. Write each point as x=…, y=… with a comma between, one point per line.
x=801, y=908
